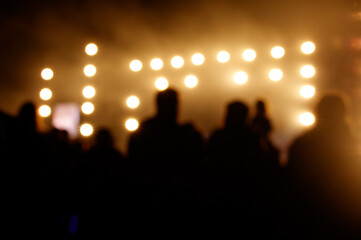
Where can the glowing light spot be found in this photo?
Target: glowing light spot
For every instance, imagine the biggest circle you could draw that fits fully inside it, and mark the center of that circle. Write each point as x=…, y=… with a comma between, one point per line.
x=90, y=70
x=91, y=49
x=191, y=81
x=133, y=102
x=307, y=119
x=275, y=74
x=307, y=71
x=308, y=47
x=307, y=91
x=277, y=52
x=135, y=65
x=45, y=94
x=156, y=64
x=223, y=56
x=177, y=62
x=198, y=59
x=89, y=92
x=131, y=124
x=86, y=129
x=44, y=111
x=87, y=108
x=249, y=55
x=47, y=74
x=161, y=83
x=240, y=77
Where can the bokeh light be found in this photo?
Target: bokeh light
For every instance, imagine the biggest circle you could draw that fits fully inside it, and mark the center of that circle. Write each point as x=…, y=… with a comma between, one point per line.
x=307, y=91
x=161, y=83
x=44, y=111
x=91, y=49
x=156, y=64
x=177, y=62
x=198, y=59
x=47, y=74
x=131, y=124
x=275, y=74
x=45, y=94
x=90, y=70
x=133, y=102
x=135, y=65
x=308, y=47
x=191, y=81
x=249, y=55
x=88, y=92
x=86, y=129
x=277, y=52
x=240, y=77
x=87, y=108
x=307, y=119
x=223, y=56
x=307, y=71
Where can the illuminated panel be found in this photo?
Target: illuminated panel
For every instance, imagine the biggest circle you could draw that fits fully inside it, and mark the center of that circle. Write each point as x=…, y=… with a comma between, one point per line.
x=47, y=74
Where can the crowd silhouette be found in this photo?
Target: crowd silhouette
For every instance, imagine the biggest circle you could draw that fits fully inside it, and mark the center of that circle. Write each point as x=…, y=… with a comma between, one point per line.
x=173, y=180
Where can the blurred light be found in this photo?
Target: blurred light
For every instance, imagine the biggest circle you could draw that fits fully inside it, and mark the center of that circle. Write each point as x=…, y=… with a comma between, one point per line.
x=156, y=64
x=177, y=62
x=47, y=74
x=90, y=70
x=191, y=81
x=249, y=55
x=161, y=83
x=87, y=108
x=275, y=74
x=307, y=91
x=307, y=71
x=88, y=92
x=308, y=47
x=223, y=56
x=136, y=65
x=131, y=124
x=197, y=59
x=277, y=52
x=44, y=111
x=307, y=119
x=86, y=129
x=91, y=49
x=45, y=94
x=132, y=102
x=240, y=77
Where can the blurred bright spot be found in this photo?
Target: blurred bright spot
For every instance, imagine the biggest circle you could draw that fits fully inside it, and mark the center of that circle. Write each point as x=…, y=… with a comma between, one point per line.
x=240, y=77
x=249, y=55
x=307, y=71
x=161, y=83
x=308, y=47
x=131, y=124
x=47, y=74
x=177, y=62
x=223, y=56
x=87, y=108
x=132, y=102
x=191, y=81
x=89, y=92
x=90, y=70
x=156, y=64
x=307, y=91
x=275, y=74
x=86, y=129
x=45, y=94
x=44, y=111
x=91, y=49
x=135, y=65
x=307, y=119
x=277, y=52
x=197, y=59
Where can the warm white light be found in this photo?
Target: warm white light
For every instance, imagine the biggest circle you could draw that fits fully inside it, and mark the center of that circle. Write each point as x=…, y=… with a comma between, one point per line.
x=87, y=108
x=133, y=102
x=161, y=83
x=44, y=111
x=131, y=124
x=223, y=56
x=307, y=71
x=156, y=64
x=307, y=119
x=135, y=65
x=45, y=94
x=86, y=129
x=47, y=74
x=277, y=52
x=191, y=81
x=91, y=49
x=89, y=92
x=308, y=47
x=275, y=74
x=240, y=77
x=197, y=59
x=249, y=55
x=177, y=62
x=307, y=91
x=90, y=70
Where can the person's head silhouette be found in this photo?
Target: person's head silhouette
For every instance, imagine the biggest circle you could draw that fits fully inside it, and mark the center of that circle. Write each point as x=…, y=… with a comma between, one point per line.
x=236, y=114
x=331, y=109
x=260, y=107
x=27, y=117
x=167, y=105
x=103, y=138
